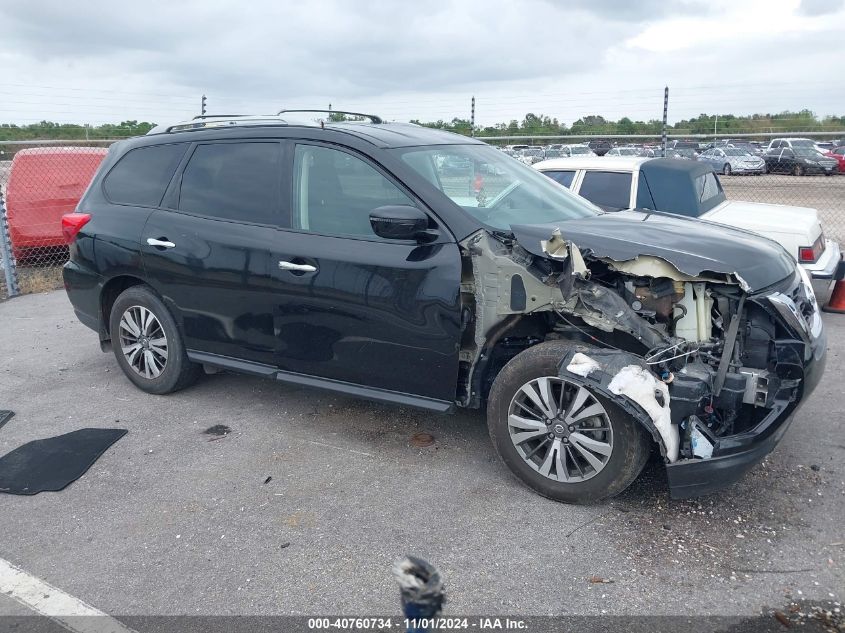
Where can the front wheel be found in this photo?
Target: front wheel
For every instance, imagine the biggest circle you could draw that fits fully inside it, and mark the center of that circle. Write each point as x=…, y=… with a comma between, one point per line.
x=147, y=343
x=798, y=170
x=564, y=440
x=726, y=170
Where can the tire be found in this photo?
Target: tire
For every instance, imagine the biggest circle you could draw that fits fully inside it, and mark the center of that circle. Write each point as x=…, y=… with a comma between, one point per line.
x=629, y=443
x=726, y=170
x=145, y=365
x=798, y=170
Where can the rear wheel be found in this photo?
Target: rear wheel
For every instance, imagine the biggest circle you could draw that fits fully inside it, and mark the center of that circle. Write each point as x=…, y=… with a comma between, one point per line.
x=726, y=170
x=564, y=440
x=147, y=344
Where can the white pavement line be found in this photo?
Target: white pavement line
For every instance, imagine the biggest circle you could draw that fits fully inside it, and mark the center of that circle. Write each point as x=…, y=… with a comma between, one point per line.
x=47, y=600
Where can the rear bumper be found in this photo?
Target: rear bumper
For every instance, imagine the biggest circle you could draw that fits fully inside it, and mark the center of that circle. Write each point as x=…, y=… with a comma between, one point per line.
x=737, y=454
x=83, y=292
x=830, y=265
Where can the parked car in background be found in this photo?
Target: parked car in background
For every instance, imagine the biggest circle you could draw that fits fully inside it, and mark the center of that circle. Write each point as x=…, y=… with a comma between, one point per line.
x=44, y=184
x=684, y=145
x=531, y=155
x=748, y=146
x=600, y=147
x=693, y=189
x=799, y=161
x=838, y=154
x=576, y=150
x=683, y=152
x=624, y=151
x=791, y=143
x=732, y=160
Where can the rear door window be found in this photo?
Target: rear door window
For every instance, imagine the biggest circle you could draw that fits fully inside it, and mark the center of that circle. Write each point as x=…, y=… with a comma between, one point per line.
x=141, y=177
x=564, y=177
x=608, y=189
x=234, y=181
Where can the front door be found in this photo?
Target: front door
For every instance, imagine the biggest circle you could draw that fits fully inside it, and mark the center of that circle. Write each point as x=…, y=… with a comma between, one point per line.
x=353, y=307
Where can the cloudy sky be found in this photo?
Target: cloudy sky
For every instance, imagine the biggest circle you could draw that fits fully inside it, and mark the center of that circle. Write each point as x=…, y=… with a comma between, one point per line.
x=111, y=60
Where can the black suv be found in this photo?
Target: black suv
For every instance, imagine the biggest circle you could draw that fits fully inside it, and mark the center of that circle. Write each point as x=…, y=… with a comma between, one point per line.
x=356, y=257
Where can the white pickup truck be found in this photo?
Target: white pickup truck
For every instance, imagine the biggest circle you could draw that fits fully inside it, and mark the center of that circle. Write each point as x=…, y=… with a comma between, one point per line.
x=692, y=189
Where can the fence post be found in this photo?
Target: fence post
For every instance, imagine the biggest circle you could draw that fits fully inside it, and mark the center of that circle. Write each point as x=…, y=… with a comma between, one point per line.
x=665, y=119
x=9, y=265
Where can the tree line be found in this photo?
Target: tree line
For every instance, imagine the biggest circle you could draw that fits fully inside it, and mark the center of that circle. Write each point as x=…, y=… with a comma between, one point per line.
x=724, y=125
x=531, y=124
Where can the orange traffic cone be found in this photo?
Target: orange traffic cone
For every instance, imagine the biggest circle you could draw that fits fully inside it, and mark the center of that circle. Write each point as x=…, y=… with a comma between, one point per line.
x=837, y=298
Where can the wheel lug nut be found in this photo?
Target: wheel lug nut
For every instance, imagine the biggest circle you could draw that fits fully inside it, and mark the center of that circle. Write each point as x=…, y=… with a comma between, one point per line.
x=551, y=435
x=571, y=429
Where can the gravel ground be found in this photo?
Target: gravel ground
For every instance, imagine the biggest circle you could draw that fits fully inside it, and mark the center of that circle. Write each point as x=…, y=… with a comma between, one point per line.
x=173, y=520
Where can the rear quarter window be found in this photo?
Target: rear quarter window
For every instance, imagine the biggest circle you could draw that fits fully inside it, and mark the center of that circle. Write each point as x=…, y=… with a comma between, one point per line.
x=142, y=175
x=608, y=189
x=562, y=177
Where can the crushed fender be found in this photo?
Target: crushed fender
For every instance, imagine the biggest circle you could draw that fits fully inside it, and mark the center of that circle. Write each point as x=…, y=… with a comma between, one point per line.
x=624, y=378
x=641, y=386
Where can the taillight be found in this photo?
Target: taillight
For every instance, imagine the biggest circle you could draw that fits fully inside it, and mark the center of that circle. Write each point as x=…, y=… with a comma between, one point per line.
x=72, y=223
x=809, y=254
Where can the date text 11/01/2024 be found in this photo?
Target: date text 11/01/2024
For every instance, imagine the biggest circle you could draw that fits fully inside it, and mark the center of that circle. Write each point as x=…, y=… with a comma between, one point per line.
x=437, y=623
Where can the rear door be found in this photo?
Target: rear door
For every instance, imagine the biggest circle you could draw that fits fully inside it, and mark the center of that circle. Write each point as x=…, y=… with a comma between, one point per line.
x=209, y=252
x=356, y=310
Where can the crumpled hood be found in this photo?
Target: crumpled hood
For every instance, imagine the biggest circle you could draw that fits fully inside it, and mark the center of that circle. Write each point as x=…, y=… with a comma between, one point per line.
x=692, y=246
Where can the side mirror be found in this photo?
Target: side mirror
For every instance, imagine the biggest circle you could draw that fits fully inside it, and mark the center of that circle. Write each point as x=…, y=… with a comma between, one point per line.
x=401, y=222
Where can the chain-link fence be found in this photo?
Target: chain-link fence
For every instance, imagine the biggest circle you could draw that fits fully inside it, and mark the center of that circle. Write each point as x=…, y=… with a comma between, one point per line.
x=39, y=182
x=42, y=180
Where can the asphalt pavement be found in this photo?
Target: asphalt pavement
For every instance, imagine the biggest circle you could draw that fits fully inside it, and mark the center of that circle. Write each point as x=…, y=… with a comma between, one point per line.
x=305, y=504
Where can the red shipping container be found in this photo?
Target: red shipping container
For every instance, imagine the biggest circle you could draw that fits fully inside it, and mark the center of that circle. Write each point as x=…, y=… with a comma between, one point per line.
x=44, y=184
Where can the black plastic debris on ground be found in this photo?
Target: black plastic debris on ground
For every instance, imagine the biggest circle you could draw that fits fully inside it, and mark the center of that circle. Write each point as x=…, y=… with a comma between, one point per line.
x=5, y=416
x=218, y=429
x=54, y=463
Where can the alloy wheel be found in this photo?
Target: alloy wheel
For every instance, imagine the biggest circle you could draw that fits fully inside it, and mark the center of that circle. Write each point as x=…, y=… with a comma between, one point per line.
x=143, y=342
x=560, y=429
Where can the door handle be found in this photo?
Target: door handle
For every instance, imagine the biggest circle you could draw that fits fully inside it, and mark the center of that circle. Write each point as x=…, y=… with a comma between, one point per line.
x=160, y=243
x=302, y=268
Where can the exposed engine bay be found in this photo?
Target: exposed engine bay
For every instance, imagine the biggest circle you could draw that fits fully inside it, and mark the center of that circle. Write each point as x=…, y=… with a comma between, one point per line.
x=695, y=356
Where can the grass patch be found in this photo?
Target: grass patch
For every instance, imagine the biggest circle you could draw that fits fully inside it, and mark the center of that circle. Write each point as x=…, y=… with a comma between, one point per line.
x=40, y=279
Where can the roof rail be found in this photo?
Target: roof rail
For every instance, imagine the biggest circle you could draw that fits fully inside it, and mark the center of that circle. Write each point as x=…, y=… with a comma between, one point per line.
x=216, y=121
x=218, y=116
x=372, y=117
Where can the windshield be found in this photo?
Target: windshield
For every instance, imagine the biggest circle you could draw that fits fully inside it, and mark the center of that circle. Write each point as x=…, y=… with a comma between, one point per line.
x=806, y=152
x=496, y=190
x=734, y=151
x=580, y=149
x=802, y=142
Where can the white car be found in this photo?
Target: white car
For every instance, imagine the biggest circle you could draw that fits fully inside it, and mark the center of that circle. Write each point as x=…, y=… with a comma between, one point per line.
x=692, y=188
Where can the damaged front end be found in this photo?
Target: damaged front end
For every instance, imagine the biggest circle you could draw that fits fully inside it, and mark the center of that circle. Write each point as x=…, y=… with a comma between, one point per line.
x=710, y=361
